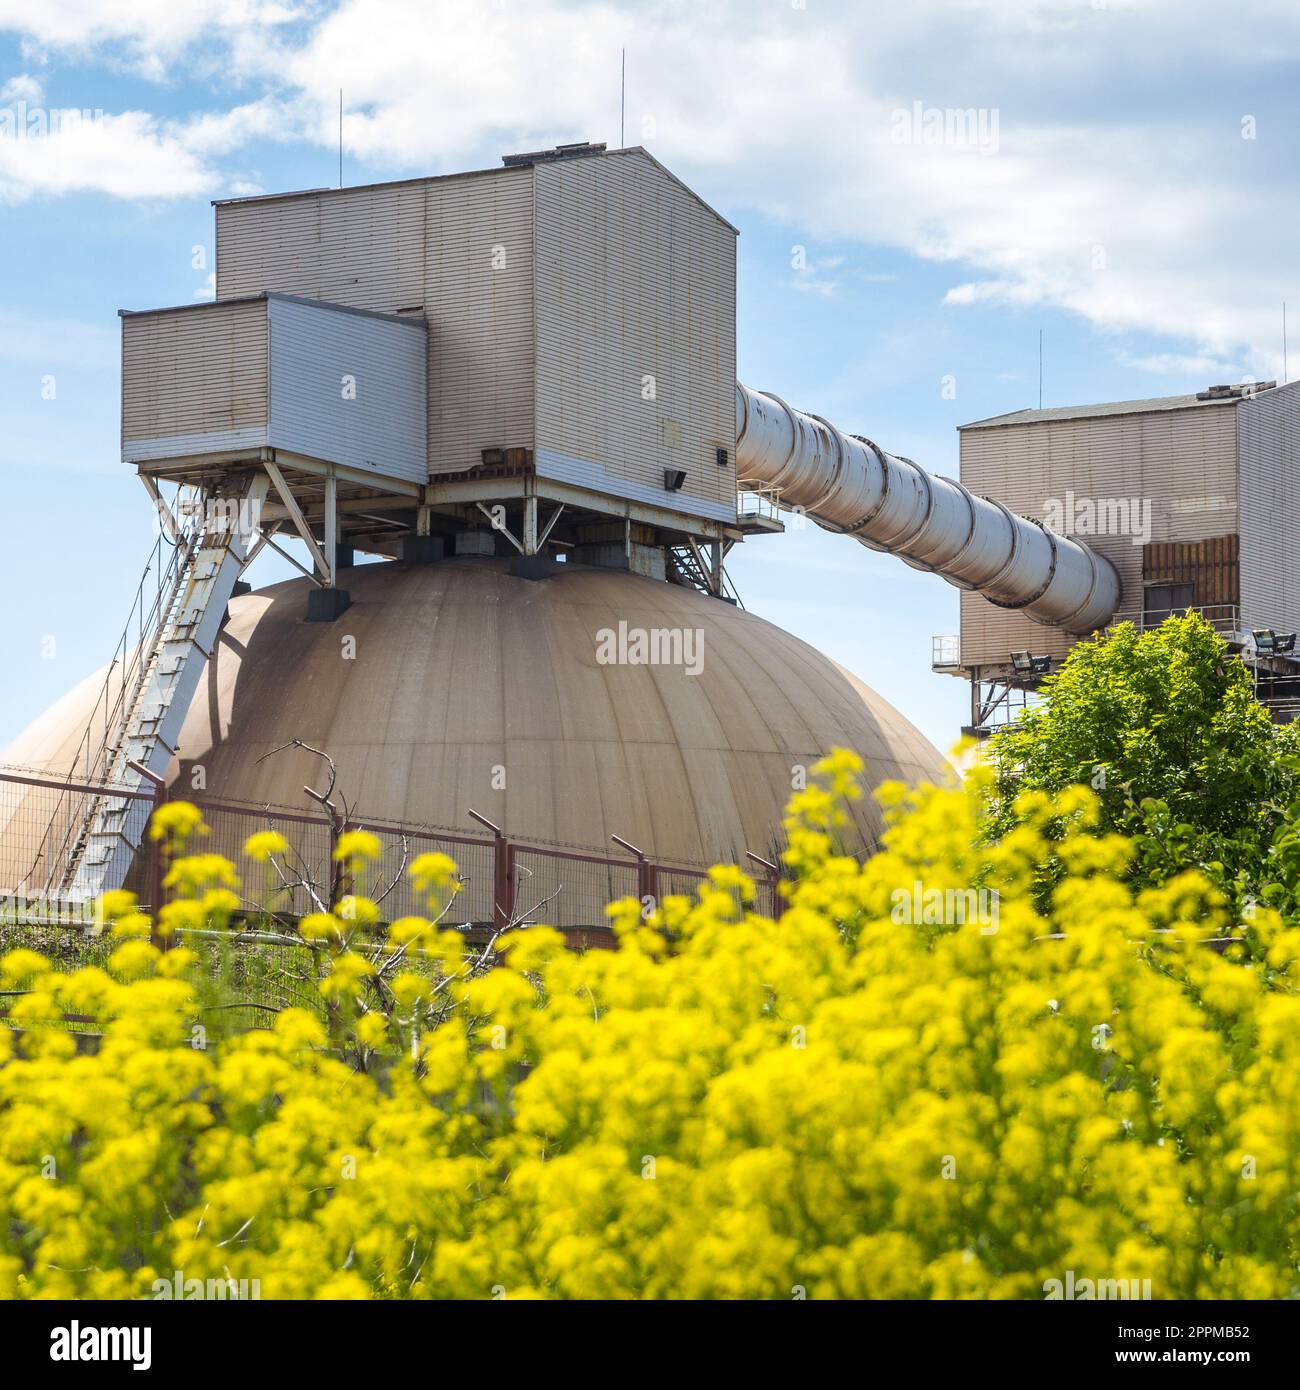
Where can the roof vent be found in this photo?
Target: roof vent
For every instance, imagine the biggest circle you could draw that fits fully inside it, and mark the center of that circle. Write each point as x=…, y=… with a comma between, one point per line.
x=574, y=151
x=1237, y=392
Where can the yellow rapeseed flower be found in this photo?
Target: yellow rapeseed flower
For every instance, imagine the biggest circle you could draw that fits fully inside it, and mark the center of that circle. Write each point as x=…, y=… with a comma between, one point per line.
x=261, y=845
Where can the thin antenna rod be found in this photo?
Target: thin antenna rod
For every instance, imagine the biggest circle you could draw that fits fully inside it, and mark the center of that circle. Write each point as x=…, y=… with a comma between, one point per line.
x=622, y=103
x=340, y=137
x=1040, y=369
x=1285, y=378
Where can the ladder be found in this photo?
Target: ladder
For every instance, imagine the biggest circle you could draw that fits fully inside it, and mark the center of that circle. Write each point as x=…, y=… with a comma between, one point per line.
x=684, y=566
x=144, y=730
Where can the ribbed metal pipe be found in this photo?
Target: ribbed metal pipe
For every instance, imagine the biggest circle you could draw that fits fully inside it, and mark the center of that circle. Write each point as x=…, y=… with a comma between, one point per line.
x=850, y=485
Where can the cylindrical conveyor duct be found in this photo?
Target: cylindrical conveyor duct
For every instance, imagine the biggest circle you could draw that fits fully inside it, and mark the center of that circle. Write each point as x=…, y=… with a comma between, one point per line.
x=850, y=485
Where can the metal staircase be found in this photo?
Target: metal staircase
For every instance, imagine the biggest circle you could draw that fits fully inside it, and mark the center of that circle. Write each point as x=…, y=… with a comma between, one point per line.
x=149, y=688
x=685, y=566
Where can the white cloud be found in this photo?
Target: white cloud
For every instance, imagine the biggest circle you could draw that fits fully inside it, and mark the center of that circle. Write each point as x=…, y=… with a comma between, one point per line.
x=131, y=155
x=23, y=87
x=146, y=35
x=218, y=133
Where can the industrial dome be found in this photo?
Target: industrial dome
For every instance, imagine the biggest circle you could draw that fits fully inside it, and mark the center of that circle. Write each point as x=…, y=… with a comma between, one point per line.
x=458, y=685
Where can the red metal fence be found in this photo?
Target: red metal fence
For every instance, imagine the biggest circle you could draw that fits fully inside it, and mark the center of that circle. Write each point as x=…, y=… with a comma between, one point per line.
x=502, y=880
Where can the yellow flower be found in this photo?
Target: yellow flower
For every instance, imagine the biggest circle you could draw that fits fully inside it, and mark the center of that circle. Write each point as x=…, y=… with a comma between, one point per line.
x=219, y=903
x=176, y=821
x=346, y=977
x=354, y=908
x=117, y=902
x=355, y=846
x=193, y=874
x=850, y=1101
x=17, y=967
x=434, y=870
x=410, y=988
x=132, y=924
x=184, y=914
x=409, y=931
x=134, y=959
x=261, y=845
x=320, y=926
x=372, y=1030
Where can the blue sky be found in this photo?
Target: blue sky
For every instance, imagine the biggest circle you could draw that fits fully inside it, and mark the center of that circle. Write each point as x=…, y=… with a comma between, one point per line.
x=1127, y=184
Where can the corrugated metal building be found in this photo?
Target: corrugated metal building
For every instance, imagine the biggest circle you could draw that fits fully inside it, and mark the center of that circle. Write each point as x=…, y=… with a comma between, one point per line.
x=316, y=379
x=580, y=305
x=1192, y=498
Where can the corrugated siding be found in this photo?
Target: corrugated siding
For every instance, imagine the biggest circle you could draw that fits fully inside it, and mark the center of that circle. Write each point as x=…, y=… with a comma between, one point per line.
x=635, y=279
x=1269, y=436
x=460, y=248
x=479, y=302
x=313, y=349
x=592, y=476
x=194, y=372
x=358, y=246
x=271, y=245
x=1184, y=461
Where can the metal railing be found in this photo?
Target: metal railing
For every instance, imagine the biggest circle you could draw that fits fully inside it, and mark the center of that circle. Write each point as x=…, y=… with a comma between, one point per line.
x=100, y=755
x=945, y=650
x=1224, y=618
x=502, y=880
x=758, y=499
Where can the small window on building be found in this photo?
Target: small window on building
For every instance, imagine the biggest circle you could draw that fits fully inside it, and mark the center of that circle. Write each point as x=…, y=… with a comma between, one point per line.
x=1161, y=601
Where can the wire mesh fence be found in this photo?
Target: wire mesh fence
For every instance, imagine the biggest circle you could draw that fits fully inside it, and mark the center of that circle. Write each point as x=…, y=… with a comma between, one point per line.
x=264, y=965
x=46, y=825
x=569, y=890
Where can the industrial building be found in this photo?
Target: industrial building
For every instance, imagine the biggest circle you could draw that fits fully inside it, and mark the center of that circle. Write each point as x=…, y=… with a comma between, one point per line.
x=1195, y=501
x=518, y=386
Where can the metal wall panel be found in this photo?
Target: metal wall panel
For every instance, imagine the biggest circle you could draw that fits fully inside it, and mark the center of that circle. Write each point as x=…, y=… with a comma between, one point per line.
x=593, y=477
x=192, y=373
x=1269, y=440
x=1184, y=462
x=269, y=244
x=458, y=250
x=636, y=282
x=348, y=387
x=478, y=295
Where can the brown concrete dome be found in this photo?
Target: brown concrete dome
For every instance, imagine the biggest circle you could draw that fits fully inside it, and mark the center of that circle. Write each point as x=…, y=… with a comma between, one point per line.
x=442, y=680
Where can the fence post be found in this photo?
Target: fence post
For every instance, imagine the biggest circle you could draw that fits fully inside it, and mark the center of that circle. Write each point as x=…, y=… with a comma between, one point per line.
x=503, y=874
x=509, y=880
x=774, y=877
x=647, y=877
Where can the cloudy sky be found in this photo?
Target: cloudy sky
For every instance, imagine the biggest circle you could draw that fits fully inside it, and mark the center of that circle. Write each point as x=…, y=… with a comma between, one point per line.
x=921, y=189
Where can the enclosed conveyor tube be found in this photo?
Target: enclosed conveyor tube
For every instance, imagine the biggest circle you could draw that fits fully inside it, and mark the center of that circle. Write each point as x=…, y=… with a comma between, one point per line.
x=850, y=485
